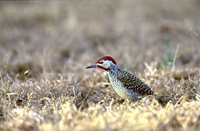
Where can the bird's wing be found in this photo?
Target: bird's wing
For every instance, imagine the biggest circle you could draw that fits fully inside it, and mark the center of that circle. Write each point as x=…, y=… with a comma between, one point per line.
x=132, y=82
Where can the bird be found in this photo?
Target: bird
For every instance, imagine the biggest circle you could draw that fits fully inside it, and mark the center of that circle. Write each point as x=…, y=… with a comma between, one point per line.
x=124, y=83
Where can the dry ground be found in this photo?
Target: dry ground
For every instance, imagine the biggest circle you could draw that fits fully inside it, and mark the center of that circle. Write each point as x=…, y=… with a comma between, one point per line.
x=45, y=46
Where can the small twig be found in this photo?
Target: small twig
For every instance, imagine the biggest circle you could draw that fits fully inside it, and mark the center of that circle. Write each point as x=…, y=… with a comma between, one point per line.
x=174, y=60
x=83, y=100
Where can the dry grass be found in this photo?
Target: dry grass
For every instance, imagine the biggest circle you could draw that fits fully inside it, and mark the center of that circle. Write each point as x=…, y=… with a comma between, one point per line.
x=44, y=48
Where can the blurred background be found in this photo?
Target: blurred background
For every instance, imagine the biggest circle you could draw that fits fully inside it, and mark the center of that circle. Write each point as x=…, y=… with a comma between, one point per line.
x=65, y=36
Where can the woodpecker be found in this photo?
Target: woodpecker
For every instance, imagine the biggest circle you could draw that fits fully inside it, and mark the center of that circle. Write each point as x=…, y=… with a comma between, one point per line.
x=124, y=83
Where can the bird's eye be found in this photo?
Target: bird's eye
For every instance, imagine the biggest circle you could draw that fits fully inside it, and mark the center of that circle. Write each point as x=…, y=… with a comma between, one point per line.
x=101, y=62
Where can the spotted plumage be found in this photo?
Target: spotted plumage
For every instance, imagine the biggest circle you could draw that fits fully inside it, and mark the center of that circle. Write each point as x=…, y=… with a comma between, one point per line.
x=125, y=84
x=132, y=82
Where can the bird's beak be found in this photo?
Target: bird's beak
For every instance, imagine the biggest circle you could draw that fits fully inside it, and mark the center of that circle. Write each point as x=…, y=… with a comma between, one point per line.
x=91, y=66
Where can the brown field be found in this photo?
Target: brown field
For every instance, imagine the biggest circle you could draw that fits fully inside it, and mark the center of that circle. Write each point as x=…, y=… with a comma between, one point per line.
x=45, y=47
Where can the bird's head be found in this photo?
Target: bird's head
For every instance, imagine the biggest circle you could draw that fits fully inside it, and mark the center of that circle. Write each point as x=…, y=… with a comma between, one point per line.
x=104, y=63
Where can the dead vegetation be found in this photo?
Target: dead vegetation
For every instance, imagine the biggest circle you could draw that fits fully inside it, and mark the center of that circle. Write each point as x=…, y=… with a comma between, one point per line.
x=45, y=47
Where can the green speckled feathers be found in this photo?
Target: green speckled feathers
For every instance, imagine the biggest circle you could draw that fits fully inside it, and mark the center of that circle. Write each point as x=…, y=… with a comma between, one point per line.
x=132, y=82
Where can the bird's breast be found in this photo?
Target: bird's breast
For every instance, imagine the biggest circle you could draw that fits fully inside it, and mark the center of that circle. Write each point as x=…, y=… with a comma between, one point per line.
x=119, y=88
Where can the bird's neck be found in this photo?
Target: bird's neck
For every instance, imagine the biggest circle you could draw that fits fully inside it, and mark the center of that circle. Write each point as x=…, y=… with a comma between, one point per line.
x=114, y=69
